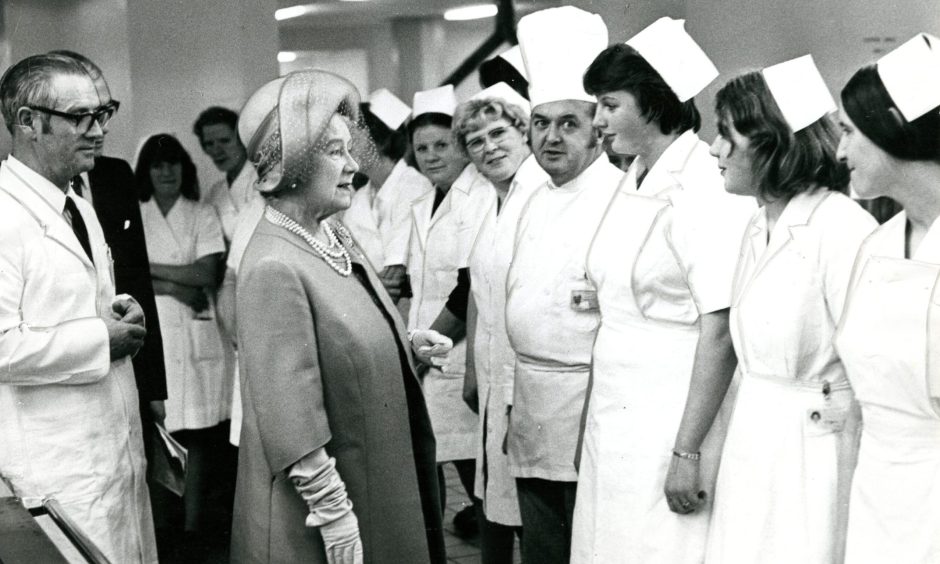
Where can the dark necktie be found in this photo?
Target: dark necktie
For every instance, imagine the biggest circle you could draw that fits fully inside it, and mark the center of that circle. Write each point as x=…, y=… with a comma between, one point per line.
x=78, y=185
x=78, y=226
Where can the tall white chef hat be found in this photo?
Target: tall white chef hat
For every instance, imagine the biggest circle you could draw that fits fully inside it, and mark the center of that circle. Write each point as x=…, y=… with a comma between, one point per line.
x=440, y=100
x=504, y=92
x=669, y=49
x=558, y=45
x=800, y=91
x=388, y=108
x=911, y=75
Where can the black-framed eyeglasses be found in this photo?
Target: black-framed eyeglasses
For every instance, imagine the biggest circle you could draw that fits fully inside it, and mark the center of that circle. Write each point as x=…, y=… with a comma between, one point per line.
x=83, y=120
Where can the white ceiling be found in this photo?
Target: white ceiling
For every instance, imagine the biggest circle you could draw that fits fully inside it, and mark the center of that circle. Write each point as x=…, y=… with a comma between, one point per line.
x=351, y=13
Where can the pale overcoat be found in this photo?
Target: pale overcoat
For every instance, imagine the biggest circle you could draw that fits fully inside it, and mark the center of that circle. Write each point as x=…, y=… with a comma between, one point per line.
x=324, y=364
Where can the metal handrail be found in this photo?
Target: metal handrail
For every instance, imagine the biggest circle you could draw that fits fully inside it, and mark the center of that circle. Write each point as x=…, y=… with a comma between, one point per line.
x=89, y=551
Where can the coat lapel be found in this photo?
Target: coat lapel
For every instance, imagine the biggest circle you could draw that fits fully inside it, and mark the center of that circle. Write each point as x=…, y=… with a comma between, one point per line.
x=421, y=216
x=52, y=221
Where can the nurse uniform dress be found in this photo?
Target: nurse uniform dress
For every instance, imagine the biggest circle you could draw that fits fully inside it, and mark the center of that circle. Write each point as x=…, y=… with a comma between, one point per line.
x=198, y=394
x=439, y=247
x=494, y=359
x=889, y=341
x=786, y=467
x=663, y=256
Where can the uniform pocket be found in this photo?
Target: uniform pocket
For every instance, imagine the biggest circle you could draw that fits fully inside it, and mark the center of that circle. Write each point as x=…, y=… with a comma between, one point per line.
x=206, y=339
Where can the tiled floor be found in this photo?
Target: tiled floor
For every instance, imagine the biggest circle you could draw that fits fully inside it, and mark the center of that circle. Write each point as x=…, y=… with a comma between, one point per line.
x=460, y=551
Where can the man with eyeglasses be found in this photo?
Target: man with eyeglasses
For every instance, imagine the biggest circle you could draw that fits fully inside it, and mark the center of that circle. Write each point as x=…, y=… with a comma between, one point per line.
x=110, y=188
x=69, y=423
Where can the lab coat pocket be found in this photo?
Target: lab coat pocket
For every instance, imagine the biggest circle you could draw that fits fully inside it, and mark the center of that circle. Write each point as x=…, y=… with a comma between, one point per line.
x=206, y=339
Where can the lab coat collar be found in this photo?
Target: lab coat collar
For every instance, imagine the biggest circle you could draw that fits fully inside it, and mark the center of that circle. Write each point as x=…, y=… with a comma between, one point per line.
x=789, y=227
x=591, y=175
x=667, y=172
x=45, y=202
x=529, y=173
x=459, y=190
x=394, y=177
x=929, y=249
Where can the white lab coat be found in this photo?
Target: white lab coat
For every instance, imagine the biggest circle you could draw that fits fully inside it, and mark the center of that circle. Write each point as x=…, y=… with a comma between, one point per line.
x=380, y=220
x=198, y=388
x=889, y=341
x=663, y=256
x=69, y=421
x=551, y=338
x=229, y=201
x=784, y=479
x=494, y=360
x=439, y=247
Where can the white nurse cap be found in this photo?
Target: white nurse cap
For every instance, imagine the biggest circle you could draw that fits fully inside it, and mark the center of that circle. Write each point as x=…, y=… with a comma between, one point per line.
x=440, y=100
x=388, y=108
x=504, y=92
x=558, y=45
x=669, y=49
x=800, y=91
x=911, y=75
x=513, y=56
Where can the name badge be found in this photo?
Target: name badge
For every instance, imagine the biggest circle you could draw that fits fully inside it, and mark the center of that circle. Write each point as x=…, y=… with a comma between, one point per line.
x=584, y=300
x=828, y=418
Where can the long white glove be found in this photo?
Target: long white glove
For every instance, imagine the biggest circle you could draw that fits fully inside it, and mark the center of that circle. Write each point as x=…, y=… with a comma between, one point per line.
x=430, y=347
x=315, y=478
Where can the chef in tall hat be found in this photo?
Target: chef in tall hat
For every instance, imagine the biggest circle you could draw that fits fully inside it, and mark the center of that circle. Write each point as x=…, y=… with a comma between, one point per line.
x=777, y=143
x=662, y=263
x=444, y=223
x=551, y=307
x=492, y=127
x=380, y=214
x=506, y=67
x=888, y=337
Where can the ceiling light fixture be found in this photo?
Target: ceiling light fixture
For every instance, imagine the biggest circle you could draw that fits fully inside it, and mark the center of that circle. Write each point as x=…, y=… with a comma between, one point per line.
x=293, y=12
x=476, y=12
x=286, y=57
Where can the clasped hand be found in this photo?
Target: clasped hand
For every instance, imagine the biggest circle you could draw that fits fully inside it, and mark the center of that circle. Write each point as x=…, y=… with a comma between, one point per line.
x=126, y=327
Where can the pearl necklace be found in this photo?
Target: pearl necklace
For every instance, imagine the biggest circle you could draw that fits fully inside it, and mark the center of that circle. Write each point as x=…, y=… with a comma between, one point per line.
x=334, y=255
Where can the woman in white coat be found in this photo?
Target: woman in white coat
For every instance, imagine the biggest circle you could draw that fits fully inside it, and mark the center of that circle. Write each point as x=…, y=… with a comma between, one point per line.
x=445, y=222
x=787, y=462
x=662, y=261
x=184, y=242
x=888, y=337
x=493, y=132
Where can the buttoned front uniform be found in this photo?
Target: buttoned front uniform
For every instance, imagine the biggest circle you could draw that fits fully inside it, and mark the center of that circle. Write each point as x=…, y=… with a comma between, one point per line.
x=663, y=256
x=69, y=422
x=551, y=339
x=494, y=359
x=198, y=389
x=889, y=341
x=380, y=219
x=439, y=247
x=783, y=481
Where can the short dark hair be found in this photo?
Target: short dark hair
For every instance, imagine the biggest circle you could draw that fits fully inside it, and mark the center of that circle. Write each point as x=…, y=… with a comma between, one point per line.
x=215, y=115
x=498, y=69
x=29, y=83
x=429, y=118
x=874, y=113
x=164, y=148
x=620, y=67
x=785, y=163
x=390, y=143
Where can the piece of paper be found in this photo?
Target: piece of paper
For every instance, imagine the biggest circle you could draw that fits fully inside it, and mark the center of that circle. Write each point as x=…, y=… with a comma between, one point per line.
x=168, y=467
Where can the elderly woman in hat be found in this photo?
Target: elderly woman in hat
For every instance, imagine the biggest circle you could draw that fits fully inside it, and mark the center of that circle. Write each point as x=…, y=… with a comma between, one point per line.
x=336, y=436
x=889, y=336
x=788, y=458
x=662, y=261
